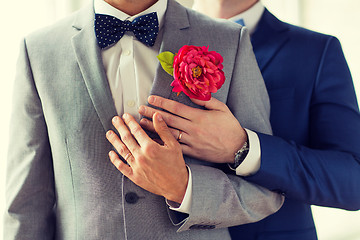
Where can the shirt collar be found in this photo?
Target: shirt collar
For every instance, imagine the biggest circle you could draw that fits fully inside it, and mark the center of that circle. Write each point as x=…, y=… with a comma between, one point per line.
x=251, y=16
x=102, y=7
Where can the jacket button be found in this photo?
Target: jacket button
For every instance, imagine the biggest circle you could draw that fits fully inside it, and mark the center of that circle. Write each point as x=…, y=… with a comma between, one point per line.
x=131, y=198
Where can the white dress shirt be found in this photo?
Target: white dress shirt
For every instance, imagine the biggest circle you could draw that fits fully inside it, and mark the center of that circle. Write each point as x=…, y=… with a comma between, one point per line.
x=129, y=64
x=251, y=17
x=130, y=68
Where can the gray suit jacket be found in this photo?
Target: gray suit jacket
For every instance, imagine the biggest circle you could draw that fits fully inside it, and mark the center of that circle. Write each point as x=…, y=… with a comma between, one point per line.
x=60, y=182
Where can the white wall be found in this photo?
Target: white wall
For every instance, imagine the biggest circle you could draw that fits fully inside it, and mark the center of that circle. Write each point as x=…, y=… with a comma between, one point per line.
x=334, y=17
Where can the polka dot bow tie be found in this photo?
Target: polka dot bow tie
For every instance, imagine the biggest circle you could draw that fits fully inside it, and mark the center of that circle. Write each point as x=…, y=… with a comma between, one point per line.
x=109, y=29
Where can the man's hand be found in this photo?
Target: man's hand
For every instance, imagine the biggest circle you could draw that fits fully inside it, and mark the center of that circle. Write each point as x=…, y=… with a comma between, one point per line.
x=159, y=169
x=212, y=135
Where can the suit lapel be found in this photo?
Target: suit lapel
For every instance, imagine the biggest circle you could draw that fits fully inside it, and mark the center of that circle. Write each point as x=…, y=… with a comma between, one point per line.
x=176, y=33
x=90, y=62
x=269, y=37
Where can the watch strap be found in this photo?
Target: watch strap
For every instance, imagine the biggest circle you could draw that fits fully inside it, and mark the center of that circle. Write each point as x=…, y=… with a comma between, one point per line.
x=240, y=155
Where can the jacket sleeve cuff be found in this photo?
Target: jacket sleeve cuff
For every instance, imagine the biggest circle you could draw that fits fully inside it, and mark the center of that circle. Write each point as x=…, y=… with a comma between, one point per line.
x=184, y=207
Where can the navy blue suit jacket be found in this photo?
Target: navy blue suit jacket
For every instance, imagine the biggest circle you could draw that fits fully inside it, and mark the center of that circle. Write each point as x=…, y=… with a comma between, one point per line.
x=314, y=155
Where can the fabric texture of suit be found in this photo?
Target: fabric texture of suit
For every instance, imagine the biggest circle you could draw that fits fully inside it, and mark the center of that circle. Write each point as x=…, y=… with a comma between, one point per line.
x=61, y=184
x=313, y=157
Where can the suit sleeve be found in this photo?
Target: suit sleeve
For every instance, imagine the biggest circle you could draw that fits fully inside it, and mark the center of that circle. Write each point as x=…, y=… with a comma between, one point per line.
x=327, y=171
x=222, y=200
x=30, y=196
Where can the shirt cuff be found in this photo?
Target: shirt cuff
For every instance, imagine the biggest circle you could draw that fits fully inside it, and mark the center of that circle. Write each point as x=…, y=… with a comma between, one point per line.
x=251, y=163
x=186, y=202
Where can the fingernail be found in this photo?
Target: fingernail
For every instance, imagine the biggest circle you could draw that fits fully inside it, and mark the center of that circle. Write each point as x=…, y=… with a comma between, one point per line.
x=151, y=99
x=143, y=120
x=115, y=119
x=109, y=133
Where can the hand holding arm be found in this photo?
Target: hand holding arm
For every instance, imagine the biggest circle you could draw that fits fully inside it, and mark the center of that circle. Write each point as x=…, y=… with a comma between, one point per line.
x=213, y=134
x=161, y=170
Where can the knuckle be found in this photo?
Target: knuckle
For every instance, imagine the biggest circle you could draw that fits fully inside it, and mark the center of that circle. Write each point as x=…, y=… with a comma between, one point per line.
x=204, y=118
x=159, y=102
x=122, y=149
x=176, y=108
x=163, y=128
x=116, y=163
x=141, y=160
x=148, y=111
x=224, y=106
x=126, y=137
x=169, y=120
x=136, y=130
x=150, y=150
x=128, y=119
x=144, y=110
x=175, y=133
x=197, y=132
x=111, y=137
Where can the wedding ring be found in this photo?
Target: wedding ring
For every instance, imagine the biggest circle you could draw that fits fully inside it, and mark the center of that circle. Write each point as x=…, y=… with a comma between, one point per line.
x=127, y=156
x=180, y=135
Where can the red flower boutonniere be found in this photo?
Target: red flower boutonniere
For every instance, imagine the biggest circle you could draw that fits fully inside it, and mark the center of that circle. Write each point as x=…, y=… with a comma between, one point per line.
x=197, y=71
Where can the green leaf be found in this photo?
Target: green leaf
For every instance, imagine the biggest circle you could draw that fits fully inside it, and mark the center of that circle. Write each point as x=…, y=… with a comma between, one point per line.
x=167, y=60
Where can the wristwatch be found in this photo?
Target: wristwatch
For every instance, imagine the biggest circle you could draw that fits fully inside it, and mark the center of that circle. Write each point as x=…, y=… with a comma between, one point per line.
x=240, y=155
